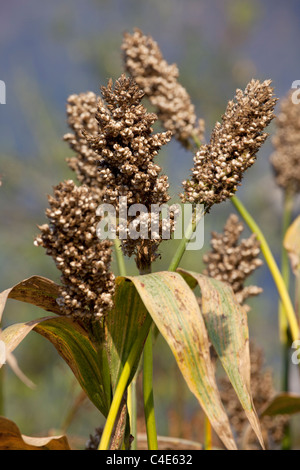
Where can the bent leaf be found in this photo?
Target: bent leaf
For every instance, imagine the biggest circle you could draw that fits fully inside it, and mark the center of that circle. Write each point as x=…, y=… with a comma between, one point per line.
x=35, y=290
x=12, y=439
x=227, y=326
x=283, y=404
x=76, y=348
x=13, y=364
x=175, y=310
x=96, y=357
x=13, y=335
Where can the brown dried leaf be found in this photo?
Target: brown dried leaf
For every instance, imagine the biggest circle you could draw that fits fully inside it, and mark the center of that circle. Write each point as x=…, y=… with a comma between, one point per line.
x=12, y=439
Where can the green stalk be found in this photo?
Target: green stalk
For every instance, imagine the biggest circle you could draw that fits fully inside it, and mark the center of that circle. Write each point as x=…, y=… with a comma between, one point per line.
x=285, y=271
x=148, y=387
x=195, y=219
x=148, y=394
x=132, y=411
x=285, y=265
x=280, y=284
x=283, y=324
x=122, y=384
x=131, y=393
x=207, y=434
x=120, y=257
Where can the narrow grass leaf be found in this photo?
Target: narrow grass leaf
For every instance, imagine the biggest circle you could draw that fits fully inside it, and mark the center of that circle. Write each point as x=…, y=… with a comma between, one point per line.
x=175, y=310
x=283, y=404
x=122, y=326
x=227, y=326
x=35, y=290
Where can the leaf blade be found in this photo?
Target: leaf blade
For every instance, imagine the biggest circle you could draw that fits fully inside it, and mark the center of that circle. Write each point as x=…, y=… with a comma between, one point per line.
x=227, y=326
x=12, y=439
x=283, y=404
x=174, y=309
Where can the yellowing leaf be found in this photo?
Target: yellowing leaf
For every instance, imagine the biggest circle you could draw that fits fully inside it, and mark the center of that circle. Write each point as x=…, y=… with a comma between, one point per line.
x=174, y=309
x=292, y=244
x=227, y=326
x=36, y=290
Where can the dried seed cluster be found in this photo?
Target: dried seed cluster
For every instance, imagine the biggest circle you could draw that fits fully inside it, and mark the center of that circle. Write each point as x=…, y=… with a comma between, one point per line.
x=233, y=262
x=286, y=158
x=70, y=239
x=81, y=110
x=125, y=147
x=219, y=166
x=159, y=80
x=263, y=392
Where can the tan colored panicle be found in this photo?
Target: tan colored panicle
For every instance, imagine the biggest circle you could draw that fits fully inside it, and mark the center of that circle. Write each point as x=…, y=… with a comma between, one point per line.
x=70, y=239
x=159, y=81
x=126, y=148
x=285, y=159
x=220, y=165
x=233, y=262
x=81, y=110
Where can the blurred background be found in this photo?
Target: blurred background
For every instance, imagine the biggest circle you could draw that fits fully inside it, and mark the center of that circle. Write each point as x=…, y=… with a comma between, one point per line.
x=50, y=50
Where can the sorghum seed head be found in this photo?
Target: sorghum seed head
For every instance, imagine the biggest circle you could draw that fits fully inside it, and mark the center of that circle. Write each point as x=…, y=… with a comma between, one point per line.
x=220, y=165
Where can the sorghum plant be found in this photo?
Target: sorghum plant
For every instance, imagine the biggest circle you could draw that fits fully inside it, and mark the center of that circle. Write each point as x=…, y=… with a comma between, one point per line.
x=106, y=322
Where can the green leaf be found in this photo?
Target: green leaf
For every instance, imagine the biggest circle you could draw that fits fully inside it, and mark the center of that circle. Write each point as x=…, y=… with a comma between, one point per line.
x=76, y=348
x=174, y=309
x=283, y=404
x=97, y=356
x=227, y=326
x=122, y=326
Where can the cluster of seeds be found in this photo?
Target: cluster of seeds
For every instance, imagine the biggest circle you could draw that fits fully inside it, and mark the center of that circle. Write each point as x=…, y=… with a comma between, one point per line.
x=70, y=239
x=233, y=262
x=159, y=81
x=126, y=146
x=220, y=165
x=285, y=158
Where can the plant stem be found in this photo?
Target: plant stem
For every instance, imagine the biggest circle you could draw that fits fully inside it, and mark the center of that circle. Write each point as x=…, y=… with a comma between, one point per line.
x=207, y=434
x=148, y=386
x=120, y=257
x=195, y=219
x=122, y=384
x=285, y=271
x=265, y=249
x=132, y=411
x=285, y=266
x=148, y=394
x=283, y=324
x=131, y=393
